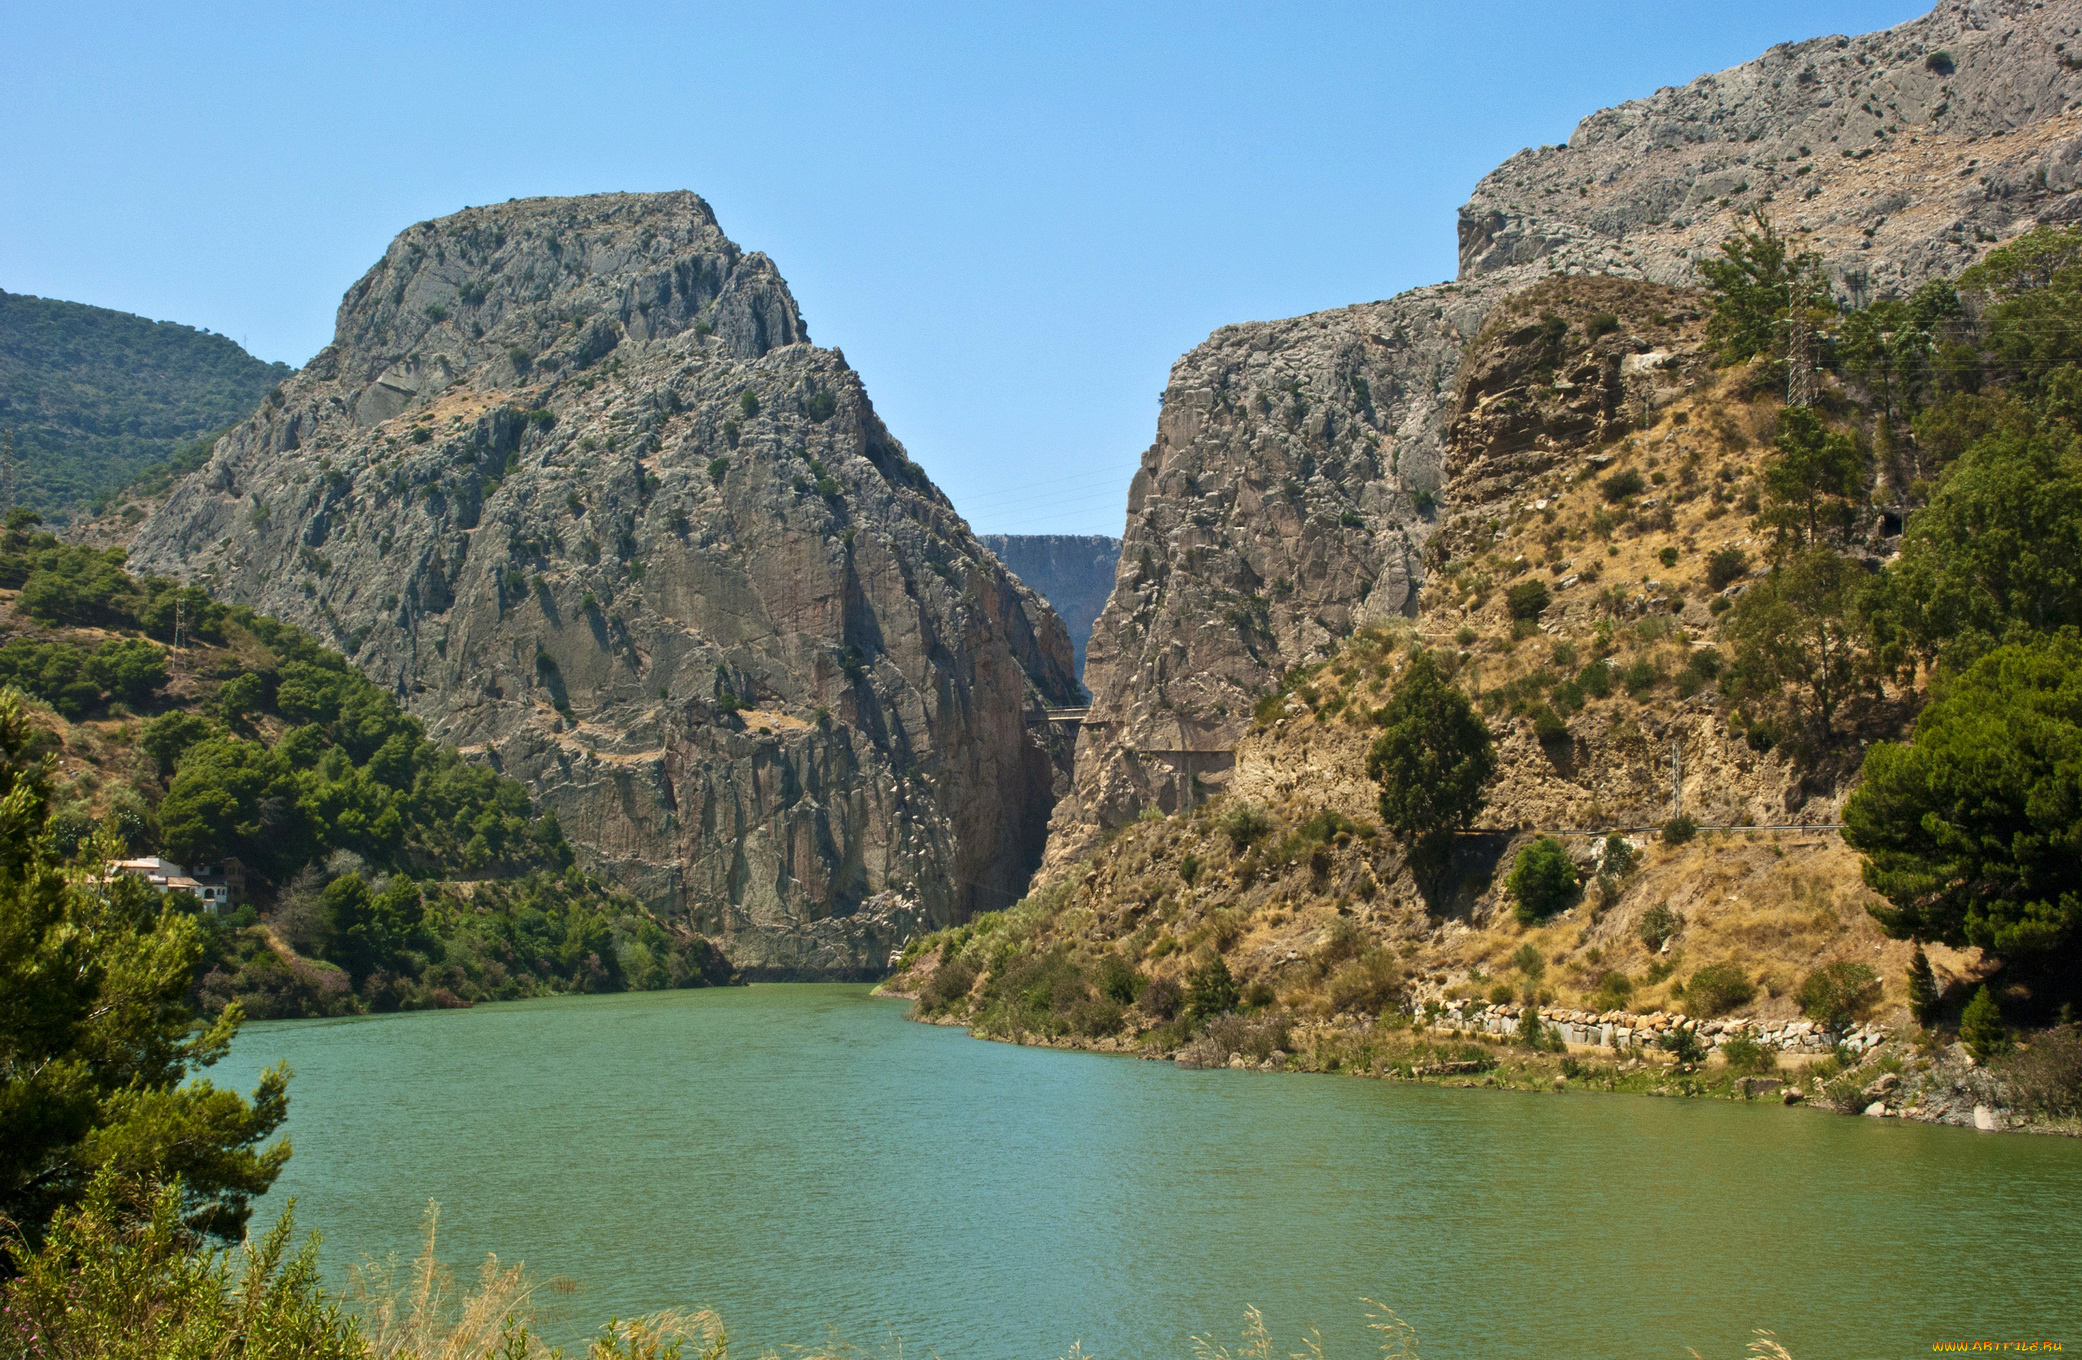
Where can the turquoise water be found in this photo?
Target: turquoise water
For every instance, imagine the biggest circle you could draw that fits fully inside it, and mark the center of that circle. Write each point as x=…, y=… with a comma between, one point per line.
x=801, y=1158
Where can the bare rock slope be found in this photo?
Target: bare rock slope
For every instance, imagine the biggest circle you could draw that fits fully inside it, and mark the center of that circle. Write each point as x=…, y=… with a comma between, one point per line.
x=572, y=480
x=1298, y=471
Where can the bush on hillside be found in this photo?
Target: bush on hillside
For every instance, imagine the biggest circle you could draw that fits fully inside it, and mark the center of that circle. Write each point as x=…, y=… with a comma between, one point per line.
x=1543, y=880
x=1839, y=994
x=1717, y=989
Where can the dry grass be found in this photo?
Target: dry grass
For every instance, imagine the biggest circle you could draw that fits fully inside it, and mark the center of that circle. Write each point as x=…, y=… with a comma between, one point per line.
x=419, y=1312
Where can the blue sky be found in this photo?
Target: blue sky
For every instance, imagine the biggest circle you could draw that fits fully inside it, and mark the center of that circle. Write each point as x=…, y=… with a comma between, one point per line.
x=1012, y=218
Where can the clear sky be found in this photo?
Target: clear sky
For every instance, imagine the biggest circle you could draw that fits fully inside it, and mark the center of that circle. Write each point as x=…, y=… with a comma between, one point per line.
x=1012, y=218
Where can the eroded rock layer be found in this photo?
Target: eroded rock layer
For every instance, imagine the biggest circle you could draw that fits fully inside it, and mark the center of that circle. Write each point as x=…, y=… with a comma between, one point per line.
x=1297, y=471
x=572, y=480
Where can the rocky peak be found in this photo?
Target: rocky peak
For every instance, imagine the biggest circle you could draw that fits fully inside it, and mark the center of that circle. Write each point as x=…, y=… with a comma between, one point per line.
x=572, y=481
x=522, y=290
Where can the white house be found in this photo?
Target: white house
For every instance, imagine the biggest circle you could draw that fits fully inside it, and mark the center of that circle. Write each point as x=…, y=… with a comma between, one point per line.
x=167, y=876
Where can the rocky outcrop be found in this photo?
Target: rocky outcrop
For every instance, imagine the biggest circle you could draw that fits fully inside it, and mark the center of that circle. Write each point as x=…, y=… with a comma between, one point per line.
x=1896, y=154
x=572, y=480
x=1073, y=572
x=1297, y=470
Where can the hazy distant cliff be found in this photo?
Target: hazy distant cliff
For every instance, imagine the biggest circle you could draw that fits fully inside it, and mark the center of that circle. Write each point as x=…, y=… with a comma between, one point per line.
x=1073, y=572
x=1297, y=467
x=572, y=480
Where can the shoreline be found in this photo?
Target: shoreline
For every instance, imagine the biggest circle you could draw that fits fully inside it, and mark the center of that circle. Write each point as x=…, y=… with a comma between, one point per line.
x=1929, y=1086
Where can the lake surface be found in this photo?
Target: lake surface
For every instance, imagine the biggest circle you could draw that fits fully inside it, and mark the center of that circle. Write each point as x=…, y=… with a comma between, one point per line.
x=801, y=1158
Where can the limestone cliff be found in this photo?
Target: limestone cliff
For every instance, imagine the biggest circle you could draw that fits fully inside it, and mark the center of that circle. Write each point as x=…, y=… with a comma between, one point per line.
x=573, y=482
x=1073, y=572
x=1296, y=473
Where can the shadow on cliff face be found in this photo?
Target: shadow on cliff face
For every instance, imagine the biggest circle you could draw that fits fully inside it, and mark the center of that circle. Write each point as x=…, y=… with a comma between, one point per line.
x=1468, y=868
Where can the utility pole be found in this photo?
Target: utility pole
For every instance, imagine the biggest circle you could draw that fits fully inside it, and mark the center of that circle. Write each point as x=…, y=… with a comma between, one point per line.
x=180, y=632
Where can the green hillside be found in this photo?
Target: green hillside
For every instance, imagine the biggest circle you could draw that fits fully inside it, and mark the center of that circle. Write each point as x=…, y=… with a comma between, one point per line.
x=96, y=397
x=378, y=870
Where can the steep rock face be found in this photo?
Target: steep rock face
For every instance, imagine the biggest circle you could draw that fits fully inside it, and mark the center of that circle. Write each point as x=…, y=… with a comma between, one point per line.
x=573, y=481
x=1297, y=469
x=1073, y=572
x=1284, y=503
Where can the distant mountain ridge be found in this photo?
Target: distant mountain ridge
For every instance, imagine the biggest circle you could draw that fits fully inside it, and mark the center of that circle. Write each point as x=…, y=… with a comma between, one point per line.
x=96, y=396
x=1073, y=572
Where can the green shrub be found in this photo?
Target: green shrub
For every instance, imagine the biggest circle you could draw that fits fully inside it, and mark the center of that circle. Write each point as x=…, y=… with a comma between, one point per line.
x=1981, y=1027
x=119, y=1277
x=1615, y=990
x=1622, y=484
x=1746, y=1057
x=1245, y=824
x=1658, y=925
x=1604, y=323
x=1548, y=726
x=1543, y=880
x=1596, y=678
x=1119, y=981
x=1211, y=989
x=1528, y=599
x=1679, y=829
x=1717, y=989
x=1684, y=1045
x=1839, y=993
x=1726, y=566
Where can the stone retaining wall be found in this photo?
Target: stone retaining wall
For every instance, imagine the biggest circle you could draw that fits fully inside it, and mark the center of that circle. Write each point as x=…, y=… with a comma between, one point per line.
x=1622, y=1029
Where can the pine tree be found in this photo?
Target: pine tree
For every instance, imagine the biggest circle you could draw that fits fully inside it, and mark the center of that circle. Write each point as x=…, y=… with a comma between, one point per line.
x=1981, y=1028
x=1433, y=760
x=1211, y=990
x=1922, y=988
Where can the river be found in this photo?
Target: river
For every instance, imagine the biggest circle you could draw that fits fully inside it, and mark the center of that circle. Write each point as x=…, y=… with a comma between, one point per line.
x=802, y=1159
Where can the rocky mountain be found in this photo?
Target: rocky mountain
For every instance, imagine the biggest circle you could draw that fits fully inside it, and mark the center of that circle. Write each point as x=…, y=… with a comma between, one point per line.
x=95, y=397
x=574, y=483
x=1073, y=572
x=1297, y=470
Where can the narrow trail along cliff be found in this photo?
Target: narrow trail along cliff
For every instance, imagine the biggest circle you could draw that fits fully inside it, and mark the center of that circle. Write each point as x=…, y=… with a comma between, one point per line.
x=574, y=483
